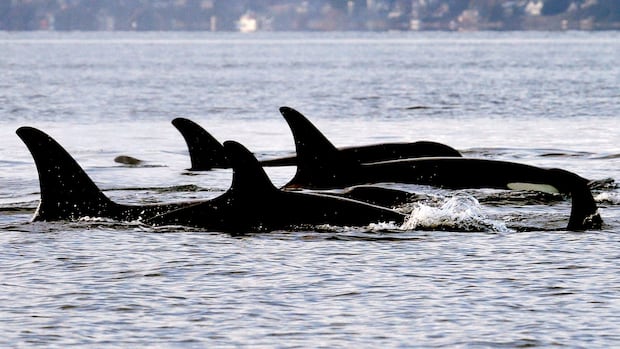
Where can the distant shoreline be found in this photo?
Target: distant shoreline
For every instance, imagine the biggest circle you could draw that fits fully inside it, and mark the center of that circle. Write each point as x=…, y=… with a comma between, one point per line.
x=316, y=15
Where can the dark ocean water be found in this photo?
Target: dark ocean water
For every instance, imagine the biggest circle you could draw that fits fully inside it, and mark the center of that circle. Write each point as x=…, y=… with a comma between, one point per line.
x=501, y=272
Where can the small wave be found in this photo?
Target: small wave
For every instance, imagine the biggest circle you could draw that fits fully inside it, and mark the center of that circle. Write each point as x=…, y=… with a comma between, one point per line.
x=521, y=153
x=417, y=107
x=16, y=210
x=608, y=197
x=383, y=226
x=96, y=219
x=371, y=228
x=458, y=213
x=172, y=189
x=565, y=154
x=517, y=197
x=602, y=184
x=26, y=206
x=183, y=188
x=366, y=98
x=91, y=222
x=608, y=157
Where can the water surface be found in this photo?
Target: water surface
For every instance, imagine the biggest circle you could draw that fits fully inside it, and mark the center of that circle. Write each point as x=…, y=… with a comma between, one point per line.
x=502, y=272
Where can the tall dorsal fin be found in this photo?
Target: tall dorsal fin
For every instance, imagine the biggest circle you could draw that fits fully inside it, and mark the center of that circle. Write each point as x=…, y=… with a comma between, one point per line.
x=319, y=163
x=249, y=178
x=204, y=150
x=66, y=190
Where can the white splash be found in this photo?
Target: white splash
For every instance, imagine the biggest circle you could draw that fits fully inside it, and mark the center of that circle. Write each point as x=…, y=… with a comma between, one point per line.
x=96, y=219
x=608, y=197
x=382, y=226
x=459, y=213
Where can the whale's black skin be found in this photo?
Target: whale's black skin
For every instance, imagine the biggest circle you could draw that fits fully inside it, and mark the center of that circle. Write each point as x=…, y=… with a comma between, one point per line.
x=377, y=195
x=251, y=204
x=322, y=166
x=207, y=153
x=68, y=193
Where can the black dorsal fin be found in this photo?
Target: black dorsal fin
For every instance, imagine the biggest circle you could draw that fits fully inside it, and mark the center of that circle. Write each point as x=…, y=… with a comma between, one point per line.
x=205, y=151
x=319, y=163
x=66, y=190
x=248, y=175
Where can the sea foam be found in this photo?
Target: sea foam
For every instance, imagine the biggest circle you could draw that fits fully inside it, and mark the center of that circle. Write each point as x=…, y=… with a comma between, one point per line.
x=459, y=213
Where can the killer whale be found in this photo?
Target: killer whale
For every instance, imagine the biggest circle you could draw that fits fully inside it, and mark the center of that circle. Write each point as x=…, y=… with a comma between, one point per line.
x=207, y=153
x=312, y=137
x=67, y=192
x=252, y=203
x=264, y=206
x=323, y=167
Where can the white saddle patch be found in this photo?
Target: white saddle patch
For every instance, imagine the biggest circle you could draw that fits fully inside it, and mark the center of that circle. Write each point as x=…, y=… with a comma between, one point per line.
x=545, y=188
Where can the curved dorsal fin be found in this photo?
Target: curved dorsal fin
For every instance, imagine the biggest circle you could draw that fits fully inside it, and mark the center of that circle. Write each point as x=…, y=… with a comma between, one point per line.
x=249, y=178
x=66, y=190
x=319, y=163
x=204, y=150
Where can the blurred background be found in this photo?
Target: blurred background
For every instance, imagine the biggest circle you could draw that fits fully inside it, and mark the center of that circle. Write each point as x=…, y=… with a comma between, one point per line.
x=315, y=15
